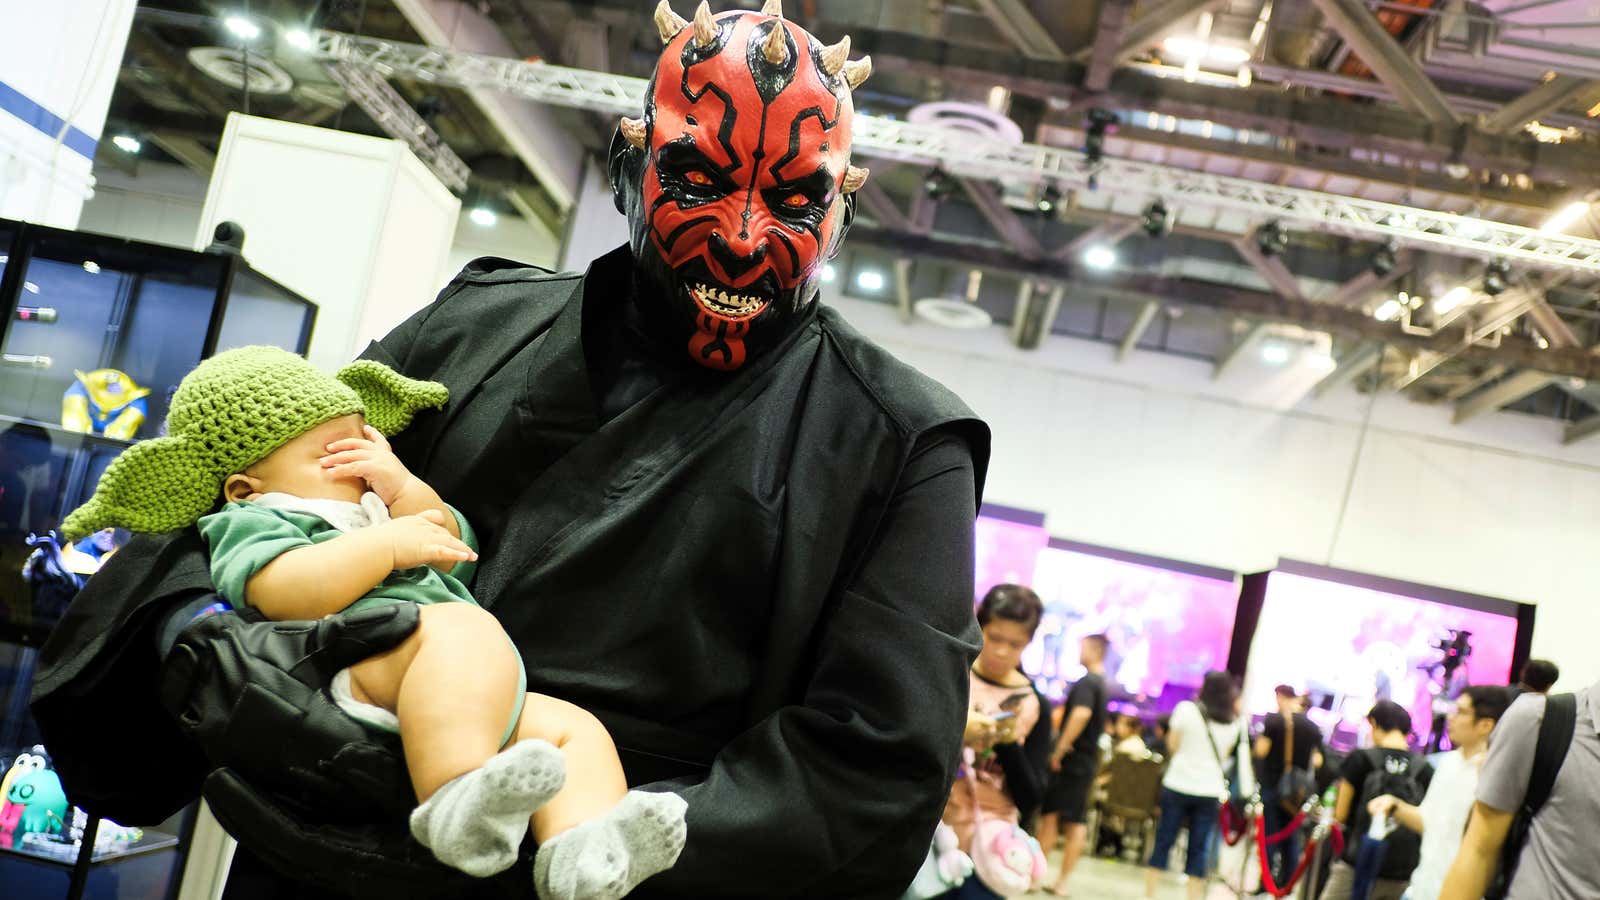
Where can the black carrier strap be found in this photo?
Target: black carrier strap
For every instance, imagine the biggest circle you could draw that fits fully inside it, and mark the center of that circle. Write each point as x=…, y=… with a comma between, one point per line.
x=1555, y=737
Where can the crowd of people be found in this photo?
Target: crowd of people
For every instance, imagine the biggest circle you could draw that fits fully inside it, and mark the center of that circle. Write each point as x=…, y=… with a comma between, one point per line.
x=1498, y=815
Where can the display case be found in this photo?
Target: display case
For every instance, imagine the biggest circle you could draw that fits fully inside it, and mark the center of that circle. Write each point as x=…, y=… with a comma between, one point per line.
x=97, y=331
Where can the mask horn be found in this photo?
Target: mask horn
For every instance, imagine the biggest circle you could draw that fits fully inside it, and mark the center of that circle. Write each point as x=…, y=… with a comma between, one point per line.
x=705, y=28
x=668, y=22
x=774, y=47
x=854, y=178
x=633, y=131
x=835, y=55
x=857, y=71
x=772, y=8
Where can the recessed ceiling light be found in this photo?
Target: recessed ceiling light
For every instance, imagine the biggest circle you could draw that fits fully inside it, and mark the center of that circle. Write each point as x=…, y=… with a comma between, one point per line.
x=869, y=280
x=1274, y=353
x=483, y=217
x=1100, y=257
x=127, y=143
x=242, y=28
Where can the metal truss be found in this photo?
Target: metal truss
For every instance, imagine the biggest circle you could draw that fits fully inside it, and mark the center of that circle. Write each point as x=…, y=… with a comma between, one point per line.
x=966, y=154
x=378, y=99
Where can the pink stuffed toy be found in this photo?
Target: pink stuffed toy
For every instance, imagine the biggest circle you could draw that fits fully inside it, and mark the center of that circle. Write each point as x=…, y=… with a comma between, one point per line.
x=1008, y=860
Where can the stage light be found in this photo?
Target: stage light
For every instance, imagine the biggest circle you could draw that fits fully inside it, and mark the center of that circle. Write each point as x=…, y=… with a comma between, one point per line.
x=938, y=183
x=483, y=216
x=298, y=38
x=1570, y=213
x=1385, y=259
x=1048, y=198
x=1156, y=221
x=1274, y=353
x=1272, y=239
x=869, y=280
x=829, y=272
x=1449, y=300
x=1388, y=311
x=1496, y=277
x=127, y=143
x=1094, y=137
x=1100, y=257
x=242, y=28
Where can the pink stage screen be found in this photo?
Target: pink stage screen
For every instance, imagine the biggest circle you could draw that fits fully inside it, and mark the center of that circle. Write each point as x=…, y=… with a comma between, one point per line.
x=1350, y=646
x=1167, y=627
x=1007, y=552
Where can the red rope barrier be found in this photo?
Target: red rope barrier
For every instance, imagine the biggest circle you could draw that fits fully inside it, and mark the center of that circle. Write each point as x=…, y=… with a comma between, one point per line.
x=1267, y=882
x=1227, y=821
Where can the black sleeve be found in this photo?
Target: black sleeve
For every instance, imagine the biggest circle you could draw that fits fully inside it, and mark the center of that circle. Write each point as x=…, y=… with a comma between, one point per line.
x=1079, y=695
x=1356, y=768
x=838, y=796
x=1272, y=729
x=1026, y=762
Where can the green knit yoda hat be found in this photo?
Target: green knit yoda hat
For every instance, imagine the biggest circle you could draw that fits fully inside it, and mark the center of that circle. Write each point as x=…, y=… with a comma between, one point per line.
x=229, y=413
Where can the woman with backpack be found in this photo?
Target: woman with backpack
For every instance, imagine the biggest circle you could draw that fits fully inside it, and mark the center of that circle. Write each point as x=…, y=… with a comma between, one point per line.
x=1378, y=860
x=1209, y=755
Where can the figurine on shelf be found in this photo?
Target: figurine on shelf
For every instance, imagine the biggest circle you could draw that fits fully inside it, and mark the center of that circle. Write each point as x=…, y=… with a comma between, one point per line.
x=54, y=580
x=34, y=802
x=106, y=402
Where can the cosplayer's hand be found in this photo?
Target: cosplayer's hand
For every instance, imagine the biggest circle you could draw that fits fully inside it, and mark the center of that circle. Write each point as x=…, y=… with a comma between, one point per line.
x=372, y=461
x=355, y=860
x=422, y=540
x=253, y=695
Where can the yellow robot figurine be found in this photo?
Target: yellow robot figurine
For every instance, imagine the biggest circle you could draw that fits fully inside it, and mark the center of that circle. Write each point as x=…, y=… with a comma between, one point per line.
x=106, y=402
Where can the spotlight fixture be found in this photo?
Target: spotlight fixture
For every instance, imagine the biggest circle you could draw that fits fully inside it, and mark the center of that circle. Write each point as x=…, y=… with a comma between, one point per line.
x=1094, y=137
x=127, y=143
x=1271, y=239
x=870, y=280
x=1048, y=198
x=1100, y=257
x=1496, y=277
x=1447, y=302
x=483, y=217
x=1156, y=221
x=938, y=183
x=1388, y=310
x=1385, y=259
x=242, y=28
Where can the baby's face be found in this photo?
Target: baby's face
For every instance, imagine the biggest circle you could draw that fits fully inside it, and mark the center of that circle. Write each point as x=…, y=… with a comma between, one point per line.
x=296, y=467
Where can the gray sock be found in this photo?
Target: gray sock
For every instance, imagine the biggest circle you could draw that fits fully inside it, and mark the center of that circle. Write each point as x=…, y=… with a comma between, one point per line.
x=605, y=858
x=477, y=821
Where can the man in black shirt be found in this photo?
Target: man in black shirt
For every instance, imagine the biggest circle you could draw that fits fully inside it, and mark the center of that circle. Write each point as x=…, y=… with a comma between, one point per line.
x=1387, y=767
x=1076, y=758
x=1304, y=745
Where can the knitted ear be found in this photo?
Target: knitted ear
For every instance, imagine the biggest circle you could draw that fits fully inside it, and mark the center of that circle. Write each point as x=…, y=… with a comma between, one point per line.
x=391, y=399
x=161, y=484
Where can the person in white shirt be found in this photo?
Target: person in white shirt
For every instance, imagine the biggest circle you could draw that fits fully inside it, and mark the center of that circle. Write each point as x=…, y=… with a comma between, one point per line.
x=1209, y=749
x=1441, y=818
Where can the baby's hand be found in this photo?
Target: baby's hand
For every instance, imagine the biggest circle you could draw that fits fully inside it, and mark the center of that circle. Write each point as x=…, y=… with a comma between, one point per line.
x=370, y=460
x=421, y=540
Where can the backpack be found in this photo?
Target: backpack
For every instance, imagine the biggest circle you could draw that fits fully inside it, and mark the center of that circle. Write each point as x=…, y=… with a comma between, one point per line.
x=1398, y=778
x=1555, y=737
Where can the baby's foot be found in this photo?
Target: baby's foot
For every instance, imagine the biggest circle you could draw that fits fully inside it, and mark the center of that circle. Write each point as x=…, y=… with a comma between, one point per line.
x=605, y=858
x=477, y=821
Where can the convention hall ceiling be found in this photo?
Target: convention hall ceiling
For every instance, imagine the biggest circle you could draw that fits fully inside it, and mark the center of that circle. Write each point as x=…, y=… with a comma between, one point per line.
x=1490, y=110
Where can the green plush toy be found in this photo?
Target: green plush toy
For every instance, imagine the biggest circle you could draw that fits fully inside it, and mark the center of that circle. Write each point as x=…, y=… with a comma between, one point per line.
x=230, y=412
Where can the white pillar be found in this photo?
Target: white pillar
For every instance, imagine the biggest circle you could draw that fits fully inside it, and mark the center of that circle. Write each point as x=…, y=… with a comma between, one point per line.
x=58, y=66
x=355, y=223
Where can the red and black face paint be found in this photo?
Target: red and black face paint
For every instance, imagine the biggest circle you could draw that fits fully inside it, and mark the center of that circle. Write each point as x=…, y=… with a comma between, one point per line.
x=741, y=192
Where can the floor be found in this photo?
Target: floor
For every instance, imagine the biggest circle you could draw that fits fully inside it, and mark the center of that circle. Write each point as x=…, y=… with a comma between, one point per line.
x=1105, y=879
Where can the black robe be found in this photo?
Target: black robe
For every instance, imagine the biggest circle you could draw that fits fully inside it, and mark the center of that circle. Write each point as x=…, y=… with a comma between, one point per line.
x=761, y=583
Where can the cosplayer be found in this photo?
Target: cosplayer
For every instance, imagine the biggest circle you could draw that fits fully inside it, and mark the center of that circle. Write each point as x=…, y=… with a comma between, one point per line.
x=320, y=516
x=709, y=512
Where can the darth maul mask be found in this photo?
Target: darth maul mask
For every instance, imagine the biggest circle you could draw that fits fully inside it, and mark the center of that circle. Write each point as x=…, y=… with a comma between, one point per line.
x=737, y=182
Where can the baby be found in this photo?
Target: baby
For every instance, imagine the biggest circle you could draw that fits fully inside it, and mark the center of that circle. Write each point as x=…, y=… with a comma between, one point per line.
x=320, y=516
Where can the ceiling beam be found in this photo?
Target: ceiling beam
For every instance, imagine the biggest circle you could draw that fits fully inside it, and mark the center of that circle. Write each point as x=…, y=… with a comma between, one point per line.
x=1109, y=232
x=1472, y=384
x=1542, y=100
x=1503, y=394
x=1354, y=364
x=1013, y=20
x=1583, y=428
x=1357, y=289
x=1513, y=352
x=1149, y=29
x=986, y=197
x=197, y=157
x=1136, y=330
x=1270, y=268
x=878, y=204
x=1102, y=59
x=1387, y=59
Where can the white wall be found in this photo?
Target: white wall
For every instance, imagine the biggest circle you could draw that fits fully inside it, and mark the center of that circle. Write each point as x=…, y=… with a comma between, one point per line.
x=162, y=203
x=1153, y=456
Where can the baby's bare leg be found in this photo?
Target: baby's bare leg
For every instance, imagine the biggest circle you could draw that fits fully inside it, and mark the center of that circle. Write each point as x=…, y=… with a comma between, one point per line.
x=452, y=684
x=597, y=840
x=595, y=782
